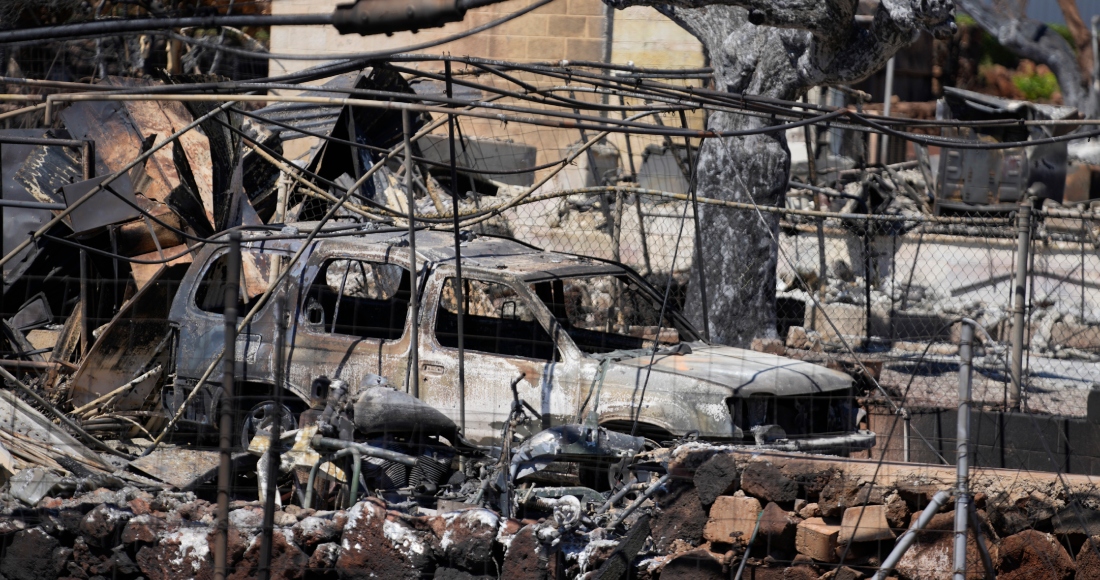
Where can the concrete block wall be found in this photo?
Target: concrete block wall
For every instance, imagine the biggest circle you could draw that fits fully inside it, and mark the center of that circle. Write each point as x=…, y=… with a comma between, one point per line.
x=1010, y=440
x=561, y=30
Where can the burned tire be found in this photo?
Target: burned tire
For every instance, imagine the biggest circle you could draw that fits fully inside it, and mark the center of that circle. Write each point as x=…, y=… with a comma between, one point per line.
x=260, y=417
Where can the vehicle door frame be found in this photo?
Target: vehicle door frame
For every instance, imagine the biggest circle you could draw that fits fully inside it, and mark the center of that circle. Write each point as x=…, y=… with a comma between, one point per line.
x=562, y=374
x=377, y=254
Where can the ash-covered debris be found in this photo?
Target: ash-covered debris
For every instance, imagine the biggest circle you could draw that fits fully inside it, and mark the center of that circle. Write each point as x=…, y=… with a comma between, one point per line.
x=791, y=515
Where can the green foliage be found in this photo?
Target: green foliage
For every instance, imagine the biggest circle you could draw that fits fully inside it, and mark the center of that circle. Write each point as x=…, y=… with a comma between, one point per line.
x=1063, y=31
x=1035, y=86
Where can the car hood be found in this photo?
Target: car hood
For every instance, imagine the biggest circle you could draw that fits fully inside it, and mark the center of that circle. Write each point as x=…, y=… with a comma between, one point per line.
x=746, y=372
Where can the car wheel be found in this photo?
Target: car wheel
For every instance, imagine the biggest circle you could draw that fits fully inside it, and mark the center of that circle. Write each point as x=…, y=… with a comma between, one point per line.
x=260, y=418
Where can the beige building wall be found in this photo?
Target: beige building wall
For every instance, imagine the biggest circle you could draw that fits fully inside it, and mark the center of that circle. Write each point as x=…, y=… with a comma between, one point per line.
x=648, y=38
x=562, y=30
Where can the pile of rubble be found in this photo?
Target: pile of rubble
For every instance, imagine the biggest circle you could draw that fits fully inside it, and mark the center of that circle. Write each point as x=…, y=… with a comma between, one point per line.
x=786, y=516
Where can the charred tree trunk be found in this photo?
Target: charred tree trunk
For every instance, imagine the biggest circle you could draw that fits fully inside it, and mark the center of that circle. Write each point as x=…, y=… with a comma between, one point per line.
x=780, y=49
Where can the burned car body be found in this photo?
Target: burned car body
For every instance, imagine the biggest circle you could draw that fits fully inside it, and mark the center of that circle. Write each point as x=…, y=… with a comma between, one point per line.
x=580, y=332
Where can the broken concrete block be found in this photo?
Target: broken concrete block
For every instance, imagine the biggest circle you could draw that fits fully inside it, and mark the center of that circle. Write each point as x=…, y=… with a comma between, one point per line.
x=313, y=531
x=797, y=338
x=183, y=553
x=30, y=556
x=367, y=551
x=716, y=477
x=1088, y=560
x=694, y=565
x=934, y=551
x=732, y=519
x=897, y=512
x=777, y=524
x=810, y=510
x=817, y=539
x=1031, y=554
x=681, y=517
x=467, y=537
x=769, y=345
x=865, y=524
x=103, y=525
x=765, y=481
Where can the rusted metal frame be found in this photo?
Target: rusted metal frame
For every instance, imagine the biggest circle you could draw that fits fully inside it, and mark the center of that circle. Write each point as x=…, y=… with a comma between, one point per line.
x=459, y=286
x=60, y=416
x=273, y=456
x=139, y=159
x=38, y=365
x=413, y=385
x=538, y=117
x=700, y=259
x=17, y=112
x=227, y=407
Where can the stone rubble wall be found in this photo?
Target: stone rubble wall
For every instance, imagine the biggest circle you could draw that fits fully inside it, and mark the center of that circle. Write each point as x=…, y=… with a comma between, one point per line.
x=796, y=516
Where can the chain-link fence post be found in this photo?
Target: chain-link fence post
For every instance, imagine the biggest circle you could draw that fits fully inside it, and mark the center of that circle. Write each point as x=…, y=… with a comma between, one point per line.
x=1023, y=242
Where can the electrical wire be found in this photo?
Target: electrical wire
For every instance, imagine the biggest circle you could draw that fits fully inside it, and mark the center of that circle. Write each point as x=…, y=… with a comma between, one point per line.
x=130, y=25
x=373, y=55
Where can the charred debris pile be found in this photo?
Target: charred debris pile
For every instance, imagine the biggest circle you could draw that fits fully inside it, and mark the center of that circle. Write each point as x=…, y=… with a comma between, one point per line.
x=696, y=511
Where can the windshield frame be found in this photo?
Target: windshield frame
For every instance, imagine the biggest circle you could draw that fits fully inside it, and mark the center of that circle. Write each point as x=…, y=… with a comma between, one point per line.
x=688, y=332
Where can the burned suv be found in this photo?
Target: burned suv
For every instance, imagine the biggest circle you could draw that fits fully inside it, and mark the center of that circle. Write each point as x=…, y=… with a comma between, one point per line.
x=569, y=334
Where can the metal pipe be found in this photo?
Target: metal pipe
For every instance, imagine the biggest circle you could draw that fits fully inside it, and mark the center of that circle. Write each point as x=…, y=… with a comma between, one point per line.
x=700, y=258
x=962, y=449
x=225, y=428
x=979, y=539
x=889, y=95
x=748, y=547
x=38, y=365
x=31, y=204
x=545, y=118
x=85, y=329
x=641, y=499
x=414, y=301
x=619, y=495
x=279, y=360
x=1023, y=241
x=905, y=426
x=353, y=483
x=124, y=25
x=458, y=287
x=320, y=442
x=906, y=540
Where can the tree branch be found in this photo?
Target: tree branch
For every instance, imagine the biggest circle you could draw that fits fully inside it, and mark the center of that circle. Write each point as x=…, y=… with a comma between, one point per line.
x=817, y=16
x=1082, y=39
x=1034, y=41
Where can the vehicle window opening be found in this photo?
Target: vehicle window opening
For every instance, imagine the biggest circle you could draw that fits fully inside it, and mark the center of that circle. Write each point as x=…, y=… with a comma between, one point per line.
x=608, y=313
x=359, y=298
x=257, y=271
x=496, y=320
